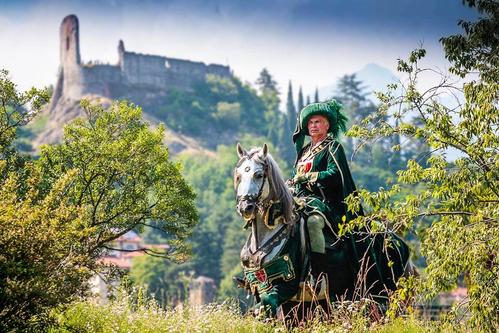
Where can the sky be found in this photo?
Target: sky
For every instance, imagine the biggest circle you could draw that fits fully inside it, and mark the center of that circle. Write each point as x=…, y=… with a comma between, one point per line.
x=310, y=42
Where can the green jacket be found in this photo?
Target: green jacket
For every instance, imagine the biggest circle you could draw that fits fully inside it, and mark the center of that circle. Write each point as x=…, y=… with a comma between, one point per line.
x=330, y=180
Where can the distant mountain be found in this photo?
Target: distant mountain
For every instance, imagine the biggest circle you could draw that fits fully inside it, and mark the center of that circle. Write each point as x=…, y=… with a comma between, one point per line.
x=373, y=76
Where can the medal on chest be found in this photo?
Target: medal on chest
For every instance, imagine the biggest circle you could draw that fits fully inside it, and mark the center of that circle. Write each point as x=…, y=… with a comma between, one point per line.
x=304, y=166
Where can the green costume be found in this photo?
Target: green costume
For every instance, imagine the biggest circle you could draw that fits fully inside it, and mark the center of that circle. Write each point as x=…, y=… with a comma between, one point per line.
x=324, y=169
x=328, y=182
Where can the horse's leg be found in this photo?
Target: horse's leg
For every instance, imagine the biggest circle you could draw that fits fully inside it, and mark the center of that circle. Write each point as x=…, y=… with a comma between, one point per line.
x=269, y=303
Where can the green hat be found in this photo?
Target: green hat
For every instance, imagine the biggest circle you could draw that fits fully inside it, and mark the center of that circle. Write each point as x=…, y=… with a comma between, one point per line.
x=330, y=109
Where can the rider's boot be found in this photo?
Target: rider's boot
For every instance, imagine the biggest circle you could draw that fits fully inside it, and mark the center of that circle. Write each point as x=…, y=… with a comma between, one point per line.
x=318, y=261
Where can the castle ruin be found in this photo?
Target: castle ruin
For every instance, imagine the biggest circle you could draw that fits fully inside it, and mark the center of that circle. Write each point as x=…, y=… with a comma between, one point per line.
x=134, y=76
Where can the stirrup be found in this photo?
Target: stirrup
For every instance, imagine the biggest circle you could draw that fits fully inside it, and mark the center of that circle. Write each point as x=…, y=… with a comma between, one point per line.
x=310, y=290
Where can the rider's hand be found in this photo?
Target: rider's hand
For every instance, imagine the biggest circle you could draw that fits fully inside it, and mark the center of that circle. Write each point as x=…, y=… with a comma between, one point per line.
x=300, y=178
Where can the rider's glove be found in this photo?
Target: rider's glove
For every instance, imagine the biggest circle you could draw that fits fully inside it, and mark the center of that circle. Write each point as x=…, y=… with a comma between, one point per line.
x=309, y=177
x=301, y=178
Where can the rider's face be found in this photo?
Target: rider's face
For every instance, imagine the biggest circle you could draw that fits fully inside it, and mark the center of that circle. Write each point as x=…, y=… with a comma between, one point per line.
x=317, y=127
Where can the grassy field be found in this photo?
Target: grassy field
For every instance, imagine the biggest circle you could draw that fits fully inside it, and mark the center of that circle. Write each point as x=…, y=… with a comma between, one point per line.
x=130, y=314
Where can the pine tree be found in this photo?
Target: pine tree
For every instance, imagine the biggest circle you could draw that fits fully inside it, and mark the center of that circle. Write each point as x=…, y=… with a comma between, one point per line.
x=286, y=144
x=300, y=100
x=266, y=82
x=290, y=110
x=316, y=95
x=274, y=119
x=308, y=100
x=351, y=90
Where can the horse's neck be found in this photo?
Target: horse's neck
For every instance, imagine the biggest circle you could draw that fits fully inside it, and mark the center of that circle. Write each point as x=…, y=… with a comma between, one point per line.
x=260, y=233
x=262, y=248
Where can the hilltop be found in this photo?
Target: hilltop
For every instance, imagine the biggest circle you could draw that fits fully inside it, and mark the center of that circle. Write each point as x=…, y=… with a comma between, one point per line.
x=166, y=88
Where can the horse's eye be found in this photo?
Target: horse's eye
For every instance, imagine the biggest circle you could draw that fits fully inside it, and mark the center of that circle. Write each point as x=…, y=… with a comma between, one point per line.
x=259, y=175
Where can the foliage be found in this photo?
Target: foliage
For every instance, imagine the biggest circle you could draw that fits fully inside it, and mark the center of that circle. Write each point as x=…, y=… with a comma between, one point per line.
x=14, y=114
x=41, y=262
x=461, y=196
x=32, y=266
x=160, y=278
x=26, y=134
x=216, y=106
x=265, y=81
x=124, y=177
x=211, y=178
x=290, y=117
x=350, y=90
x=275, y=121
x=300, y=104
x=134, y=313
x=478, y=49
x=110, y=175
x=372, y=165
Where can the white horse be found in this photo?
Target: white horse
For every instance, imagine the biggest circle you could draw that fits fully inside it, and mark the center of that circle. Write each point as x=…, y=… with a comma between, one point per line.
x=275, y=256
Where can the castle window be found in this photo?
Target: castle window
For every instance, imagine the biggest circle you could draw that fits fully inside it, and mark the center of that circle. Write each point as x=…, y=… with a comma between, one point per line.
x=67, y=43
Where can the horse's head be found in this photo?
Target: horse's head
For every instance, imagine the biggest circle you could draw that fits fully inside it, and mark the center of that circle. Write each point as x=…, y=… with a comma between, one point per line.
x=251, y=180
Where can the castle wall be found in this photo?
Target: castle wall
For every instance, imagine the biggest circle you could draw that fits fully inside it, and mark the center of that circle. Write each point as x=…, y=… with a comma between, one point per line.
x=135, y=73
x=105, y=80
x=140, y=69
x=163, y=72
x=219, y=70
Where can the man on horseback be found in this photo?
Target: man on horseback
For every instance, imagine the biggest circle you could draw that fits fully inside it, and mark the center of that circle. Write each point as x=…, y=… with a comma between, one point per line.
x=321, y=176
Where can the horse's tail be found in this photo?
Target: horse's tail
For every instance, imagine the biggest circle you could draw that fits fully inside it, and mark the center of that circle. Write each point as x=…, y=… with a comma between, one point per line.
x=410, y=269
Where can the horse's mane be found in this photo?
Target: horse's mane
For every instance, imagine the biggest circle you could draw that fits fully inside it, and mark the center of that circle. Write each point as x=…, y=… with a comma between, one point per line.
x=278, y=188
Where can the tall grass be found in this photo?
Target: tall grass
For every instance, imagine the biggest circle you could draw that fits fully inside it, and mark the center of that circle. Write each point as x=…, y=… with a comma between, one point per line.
x=134, y=313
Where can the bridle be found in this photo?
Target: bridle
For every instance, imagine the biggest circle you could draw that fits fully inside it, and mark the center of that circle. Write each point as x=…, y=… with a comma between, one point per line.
x=261, y=205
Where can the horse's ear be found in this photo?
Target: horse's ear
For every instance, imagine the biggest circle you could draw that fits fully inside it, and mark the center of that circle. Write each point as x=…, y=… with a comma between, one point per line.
x=264, y=151
x=240, y=151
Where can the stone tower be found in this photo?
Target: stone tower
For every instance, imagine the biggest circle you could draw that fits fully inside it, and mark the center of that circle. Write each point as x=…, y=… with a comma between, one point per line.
x=69, y=80
x=70, y=41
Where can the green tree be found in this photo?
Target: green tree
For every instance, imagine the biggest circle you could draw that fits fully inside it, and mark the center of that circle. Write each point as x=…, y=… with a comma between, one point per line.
x=42, y=262
x=460, y=197
x=274, y=119
x=211, y=176
x=14, y=114
x=350, y=89
x=39, y=262
x=372, y=165
x=265, y=81
x=290, y=110
x=160, y=278
x=316, y=95
x=300, y=104
x=58, y=214
x=125, y=178
x=286, y=143
x=215, y=105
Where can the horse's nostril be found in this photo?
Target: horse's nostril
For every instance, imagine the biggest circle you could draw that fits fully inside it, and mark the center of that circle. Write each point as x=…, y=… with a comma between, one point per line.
x=246, y=208
x=249, y=207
